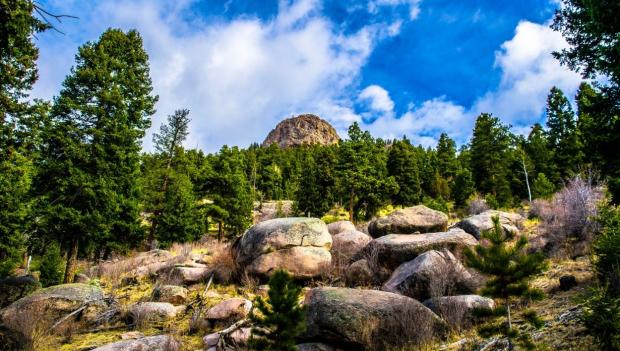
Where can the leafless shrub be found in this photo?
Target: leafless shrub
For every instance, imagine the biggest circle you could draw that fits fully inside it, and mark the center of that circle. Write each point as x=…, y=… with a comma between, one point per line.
x=477, y=205
x=222, y=261
x=568, y=219
x=249, y=282
x=171, y=345
x=183, y=250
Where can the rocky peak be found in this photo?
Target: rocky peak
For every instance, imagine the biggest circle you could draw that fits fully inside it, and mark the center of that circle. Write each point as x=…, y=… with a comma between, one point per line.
x=300, y=130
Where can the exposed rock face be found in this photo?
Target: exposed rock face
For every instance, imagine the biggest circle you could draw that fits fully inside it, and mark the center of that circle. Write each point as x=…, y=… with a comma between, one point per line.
x=14, y=288
x=368, y=319
x=392, y=250
x=409, y=221
x=302, y=130
x=41, y=309
x=340, y=226
x=299, y=245
x=149, y=343
x=173, y=294
x=458, y=310
x=476, y=225
x=347, y=244
x=432, y=274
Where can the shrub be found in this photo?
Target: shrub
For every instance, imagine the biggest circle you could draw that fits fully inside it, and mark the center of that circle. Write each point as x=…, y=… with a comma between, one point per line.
x=438, y=204
x=568, y=220
x=542, y=187
x=281, y=317
x=52, y=266
x=476, y=205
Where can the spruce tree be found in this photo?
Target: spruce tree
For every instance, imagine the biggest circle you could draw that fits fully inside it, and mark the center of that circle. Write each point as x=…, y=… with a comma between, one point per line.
x=538, y=152
x=463, y=187
x=562, y=135
x=447, y=164
x=315, y=196
x=90, y=159
x=509, y=268
x=281, y=318
x=402, y=164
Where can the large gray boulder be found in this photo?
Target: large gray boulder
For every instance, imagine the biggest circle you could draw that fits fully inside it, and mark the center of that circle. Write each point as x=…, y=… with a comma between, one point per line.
x=14, y=288
x=147, y=313
x=360, y=273
x=369, y=319
x=228, y=311
x=41, y=309
x=458, y=311
x=298, y=245
x=432, y=274
x=149, y=343
x=392, y=250
x=410, y=220
x=348, y=243
x=476, y=225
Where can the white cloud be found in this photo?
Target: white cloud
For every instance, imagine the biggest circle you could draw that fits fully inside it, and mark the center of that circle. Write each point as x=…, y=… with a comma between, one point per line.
x=378, y=100
x=414, y=6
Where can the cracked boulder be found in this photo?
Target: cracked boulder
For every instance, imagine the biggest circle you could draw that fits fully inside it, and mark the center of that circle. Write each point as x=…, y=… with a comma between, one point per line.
x=299, y=245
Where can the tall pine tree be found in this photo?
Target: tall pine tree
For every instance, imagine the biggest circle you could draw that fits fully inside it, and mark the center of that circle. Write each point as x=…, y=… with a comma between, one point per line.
x=402, y=164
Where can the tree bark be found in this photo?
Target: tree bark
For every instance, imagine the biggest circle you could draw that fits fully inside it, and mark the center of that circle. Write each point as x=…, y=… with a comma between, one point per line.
x=219, y=231
x=71, y=262
x=527, y=181
x=351, y=206
x=510, y=345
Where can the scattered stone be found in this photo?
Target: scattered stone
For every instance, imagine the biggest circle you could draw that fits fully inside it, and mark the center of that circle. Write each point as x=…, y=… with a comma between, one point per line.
x=408, y=221
x=262, y=290
x=211, y=340
x=359, y=273
x=369, y=319
x=228, y=311
x=149, y=343
x=433, y=273
x=298, y=245
x=240, y=337
x=176, y=295
x=340, y=226
x=392, y=250
x=81, y=278
x=151, y=312
x=14, y=288
x=41, y=309
x=567, y=282
x=476, y=225
x=347, y=244
x=190, y=275
x=458, y=311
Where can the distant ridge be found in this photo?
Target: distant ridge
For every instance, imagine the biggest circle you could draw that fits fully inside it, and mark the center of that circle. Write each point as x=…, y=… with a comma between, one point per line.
x=304, y=129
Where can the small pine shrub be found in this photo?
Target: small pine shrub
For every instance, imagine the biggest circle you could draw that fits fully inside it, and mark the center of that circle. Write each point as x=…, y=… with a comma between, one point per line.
x=281, y=318
x=542, y=187
x=438, y=204
x=52, y=266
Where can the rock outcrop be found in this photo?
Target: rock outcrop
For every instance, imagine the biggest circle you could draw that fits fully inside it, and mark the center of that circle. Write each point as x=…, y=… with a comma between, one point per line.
x=302, y=130
x=410, y=220
x=432, y=274
x=368, y=319
x=299, y=245
x=392, y=250
x=347, y=244
x=476, y=225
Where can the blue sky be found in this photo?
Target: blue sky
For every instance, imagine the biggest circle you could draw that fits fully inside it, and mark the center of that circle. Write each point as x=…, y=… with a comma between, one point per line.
x=399, y=67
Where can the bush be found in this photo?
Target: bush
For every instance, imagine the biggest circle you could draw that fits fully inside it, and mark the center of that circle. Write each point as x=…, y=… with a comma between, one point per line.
x=602, y=318
x=542, y=188
x=52, y=266
x=476, y=205
x=438, y=204
x=568, y=219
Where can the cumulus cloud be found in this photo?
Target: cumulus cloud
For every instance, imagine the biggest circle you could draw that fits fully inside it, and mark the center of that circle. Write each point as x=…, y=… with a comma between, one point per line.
x=528, y=73
x=378, y=100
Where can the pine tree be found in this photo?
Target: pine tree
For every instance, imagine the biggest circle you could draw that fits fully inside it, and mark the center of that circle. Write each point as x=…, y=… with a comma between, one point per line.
x=490, y=145
x=281, y=318
x=538, y=151
x=510, y=268
x=463, y=187
x=90, y=159
x=542, y=187
x=447, y=164
x=402, y=164
x=562, y=135
x=315, y=196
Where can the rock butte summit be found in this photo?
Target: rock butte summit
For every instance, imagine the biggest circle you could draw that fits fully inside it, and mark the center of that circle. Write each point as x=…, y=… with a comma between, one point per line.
x=302, y=130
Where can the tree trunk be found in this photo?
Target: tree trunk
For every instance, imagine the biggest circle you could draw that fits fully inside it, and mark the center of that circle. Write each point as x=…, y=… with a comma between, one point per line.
x=510, y=345
x=219, y=231
x=351, y=206
x=71, y=262
x=527, y=181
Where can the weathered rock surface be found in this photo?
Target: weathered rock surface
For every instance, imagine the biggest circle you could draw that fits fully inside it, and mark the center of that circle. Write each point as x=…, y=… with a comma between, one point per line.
x=190, y=275
x=348, y=243
x=271, y=209
x=41, y=309
x=368, y=319
x=392, y=250
x=458, y=311
x=476, y=225
x=141, y=265
x=299, y=245
x=359, y=273
x=152, y=312
x=340, y=226
x=228, y=311
x=149, y=343
x=14, y=288
x=409, y=221
x=431, y=274
x=176, y=295
x=302, y=130
x=81, y=278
